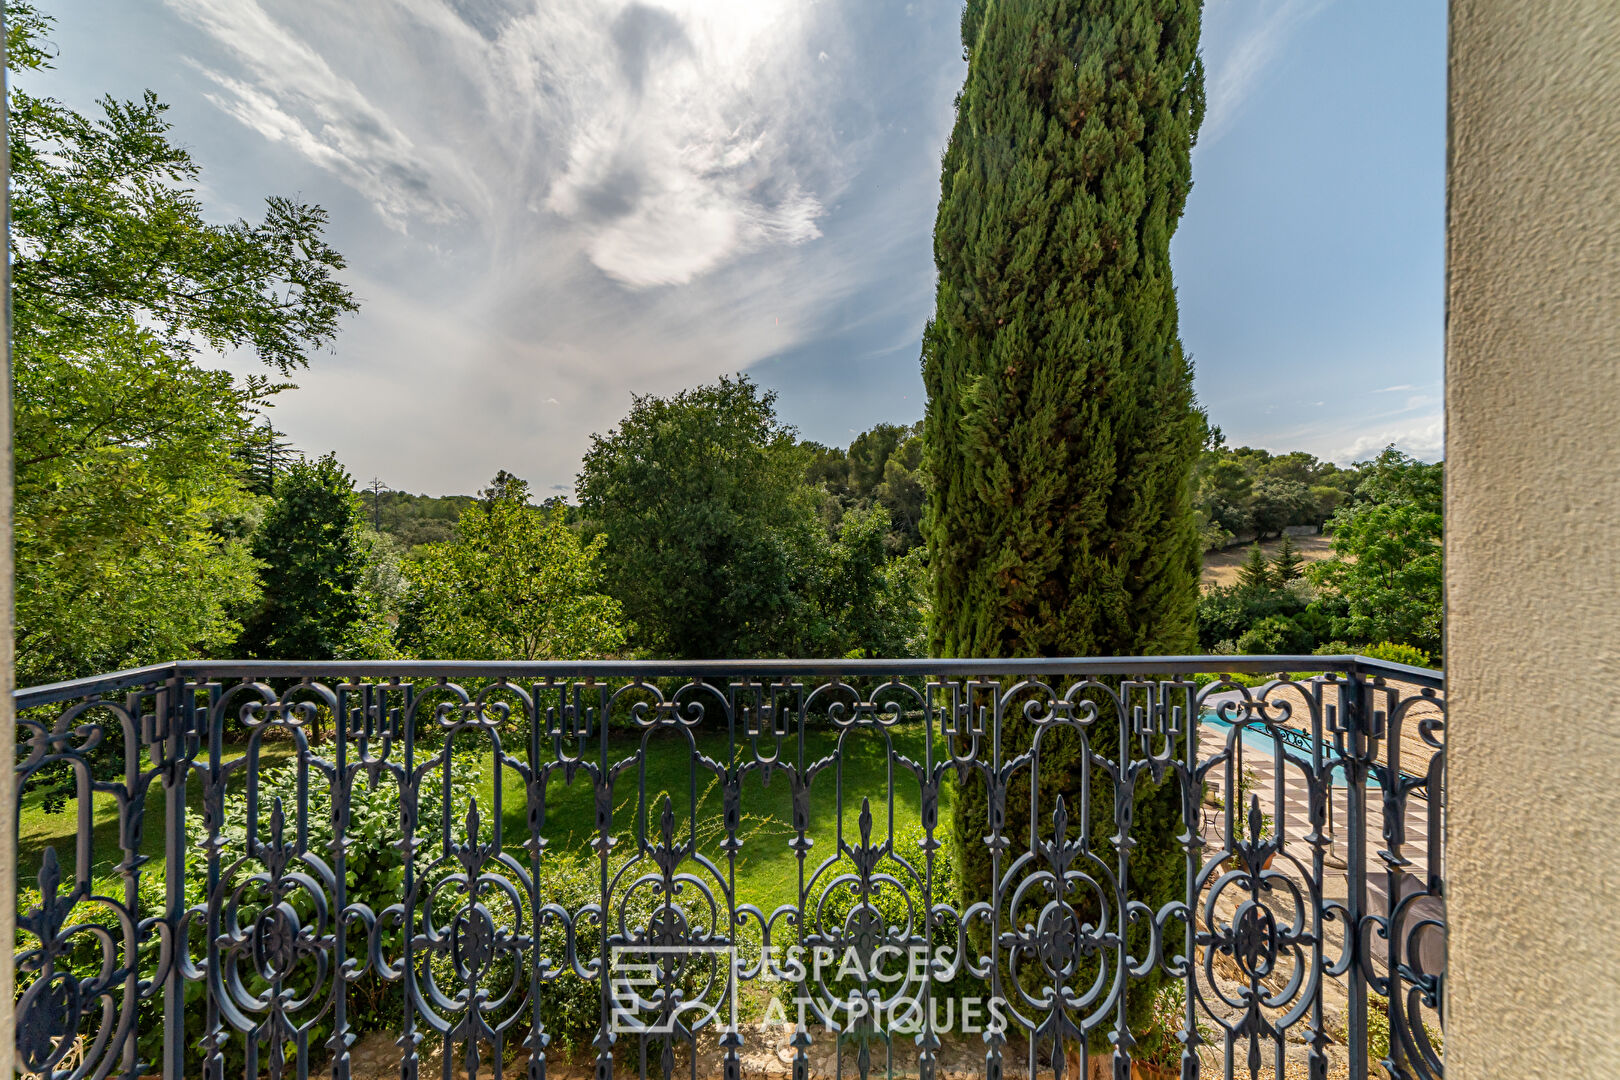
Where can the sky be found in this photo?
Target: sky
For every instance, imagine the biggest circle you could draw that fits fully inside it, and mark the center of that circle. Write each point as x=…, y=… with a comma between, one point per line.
x=548, y=206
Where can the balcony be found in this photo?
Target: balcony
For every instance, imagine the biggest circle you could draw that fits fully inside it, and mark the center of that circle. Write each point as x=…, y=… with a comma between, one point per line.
x=750, y=868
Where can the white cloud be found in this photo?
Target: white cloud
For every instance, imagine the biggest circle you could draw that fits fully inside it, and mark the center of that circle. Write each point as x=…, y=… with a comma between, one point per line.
x=1242, y=39
x=587, y=198
x=1394, y=389
x=667, y=136
x=291, y=94
x=1423, y=437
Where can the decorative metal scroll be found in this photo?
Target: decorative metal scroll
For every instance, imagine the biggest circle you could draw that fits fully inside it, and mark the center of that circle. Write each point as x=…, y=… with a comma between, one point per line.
x=510, y=867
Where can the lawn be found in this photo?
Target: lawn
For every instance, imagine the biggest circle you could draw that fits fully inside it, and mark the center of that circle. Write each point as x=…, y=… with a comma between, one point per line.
x=767, y=869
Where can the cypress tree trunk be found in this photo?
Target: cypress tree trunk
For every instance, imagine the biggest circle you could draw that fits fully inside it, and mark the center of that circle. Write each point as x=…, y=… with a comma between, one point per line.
x=1061, y=428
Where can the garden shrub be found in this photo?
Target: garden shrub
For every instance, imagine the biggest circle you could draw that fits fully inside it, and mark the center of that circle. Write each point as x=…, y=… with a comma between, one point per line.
x=1399, y=654
x=1274, y=635
x=1225, y=614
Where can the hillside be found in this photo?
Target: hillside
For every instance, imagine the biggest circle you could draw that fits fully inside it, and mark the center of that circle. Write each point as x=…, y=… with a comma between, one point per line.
x=415, y=519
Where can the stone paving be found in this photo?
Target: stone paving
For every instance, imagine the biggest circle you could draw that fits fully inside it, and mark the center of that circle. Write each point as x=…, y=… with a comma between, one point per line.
x=766, y=1054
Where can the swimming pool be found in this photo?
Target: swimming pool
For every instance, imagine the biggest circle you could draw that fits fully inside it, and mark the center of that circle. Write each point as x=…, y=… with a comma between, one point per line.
x=1259, y=741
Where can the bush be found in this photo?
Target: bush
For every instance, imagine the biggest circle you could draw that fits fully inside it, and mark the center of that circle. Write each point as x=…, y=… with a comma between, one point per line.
x=1273, y=635
x=375, y=872
x=1225, y=614
x=1399, y=654
x=1316, y=622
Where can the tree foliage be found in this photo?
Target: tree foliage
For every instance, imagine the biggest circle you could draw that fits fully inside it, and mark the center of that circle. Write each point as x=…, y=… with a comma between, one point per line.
x=131, y=512
x=1252, y=493
x=415, y=520
x=314, y=548
x=1060, y=423
x=1287, y=564
x=711, y=530
x=1255, y=573
x=1061, y=429
x=726, y=537
x=864, y=602
x=883, y=466
x=1387, y=559
x=1276, y=503
x=107, y=230
x=516, y=583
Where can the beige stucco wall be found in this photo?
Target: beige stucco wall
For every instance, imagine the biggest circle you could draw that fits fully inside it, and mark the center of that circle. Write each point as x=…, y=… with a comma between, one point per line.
x=1533, y=540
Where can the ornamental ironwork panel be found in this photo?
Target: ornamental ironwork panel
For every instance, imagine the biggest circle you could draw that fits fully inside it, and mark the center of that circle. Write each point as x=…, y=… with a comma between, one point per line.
x=799, y=868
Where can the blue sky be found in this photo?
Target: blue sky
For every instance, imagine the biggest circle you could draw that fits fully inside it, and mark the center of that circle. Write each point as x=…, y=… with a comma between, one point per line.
x=549, y=205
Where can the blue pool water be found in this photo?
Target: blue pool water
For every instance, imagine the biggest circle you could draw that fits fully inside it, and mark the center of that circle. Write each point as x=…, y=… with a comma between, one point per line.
x=1256, y=740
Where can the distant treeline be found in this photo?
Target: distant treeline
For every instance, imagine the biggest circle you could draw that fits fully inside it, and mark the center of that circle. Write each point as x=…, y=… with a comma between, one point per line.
x=415, y=520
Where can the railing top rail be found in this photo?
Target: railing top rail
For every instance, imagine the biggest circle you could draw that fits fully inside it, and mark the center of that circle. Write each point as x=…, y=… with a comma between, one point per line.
x=513, y=670
x=29, y=697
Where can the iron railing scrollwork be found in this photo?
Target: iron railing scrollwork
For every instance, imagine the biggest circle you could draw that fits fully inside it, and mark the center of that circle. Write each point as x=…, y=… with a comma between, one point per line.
x=257, y=866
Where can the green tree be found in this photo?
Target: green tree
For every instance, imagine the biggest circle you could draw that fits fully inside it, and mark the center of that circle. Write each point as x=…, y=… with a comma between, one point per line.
x=827, y=467
x=131, y=512
x=516, y=583
x=414, y=520
x=1226, y=614
x=882, y=467
x=1255, y=573
x=505, y=488
x=1061, y=430
x=904, y=493
x=1287, y=564
x=1222, y=493
x=314, y=547
x=1276, y=504
x=866, y=603
x=1326, y=498
x=869, y=452
x=1387, y=554
x=1275, y=635
x=712, y=533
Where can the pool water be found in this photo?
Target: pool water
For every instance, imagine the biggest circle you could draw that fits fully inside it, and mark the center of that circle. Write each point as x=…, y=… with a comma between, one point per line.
x=1257, y=740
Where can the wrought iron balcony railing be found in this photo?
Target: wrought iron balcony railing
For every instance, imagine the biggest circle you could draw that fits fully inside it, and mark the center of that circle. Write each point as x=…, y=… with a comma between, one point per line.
x=1013, y=868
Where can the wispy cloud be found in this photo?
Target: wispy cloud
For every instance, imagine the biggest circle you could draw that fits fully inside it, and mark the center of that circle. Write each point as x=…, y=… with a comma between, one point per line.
x=1415, y=424
x=1242, y=39
x=670, y=137
x=288, y=93
x=588, y=198
x=1394, y=389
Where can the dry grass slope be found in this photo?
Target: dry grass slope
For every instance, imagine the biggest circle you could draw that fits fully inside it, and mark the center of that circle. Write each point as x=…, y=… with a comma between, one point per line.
x=1221, y=567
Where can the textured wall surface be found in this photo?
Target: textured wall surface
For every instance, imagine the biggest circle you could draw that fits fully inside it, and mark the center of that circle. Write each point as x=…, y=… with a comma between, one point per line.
x=1533, y=539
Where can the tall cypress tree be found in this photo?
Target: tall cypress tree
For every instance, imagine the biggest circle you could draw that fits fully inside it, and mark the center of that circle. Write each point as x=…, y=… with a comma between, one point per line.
x=1061, y=427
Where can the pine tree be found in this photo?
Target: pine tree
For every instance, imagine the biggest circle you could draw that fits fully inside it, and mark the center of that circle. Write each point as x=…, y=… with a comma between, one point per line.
x=1255, y=573
x=1061, y=428
x=1286, y=564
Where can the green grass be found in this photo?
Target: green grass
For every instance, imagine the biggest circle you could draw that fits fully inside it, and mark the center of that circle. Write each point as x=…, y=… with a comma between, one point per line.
x=767, y=870
x=38, y=829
